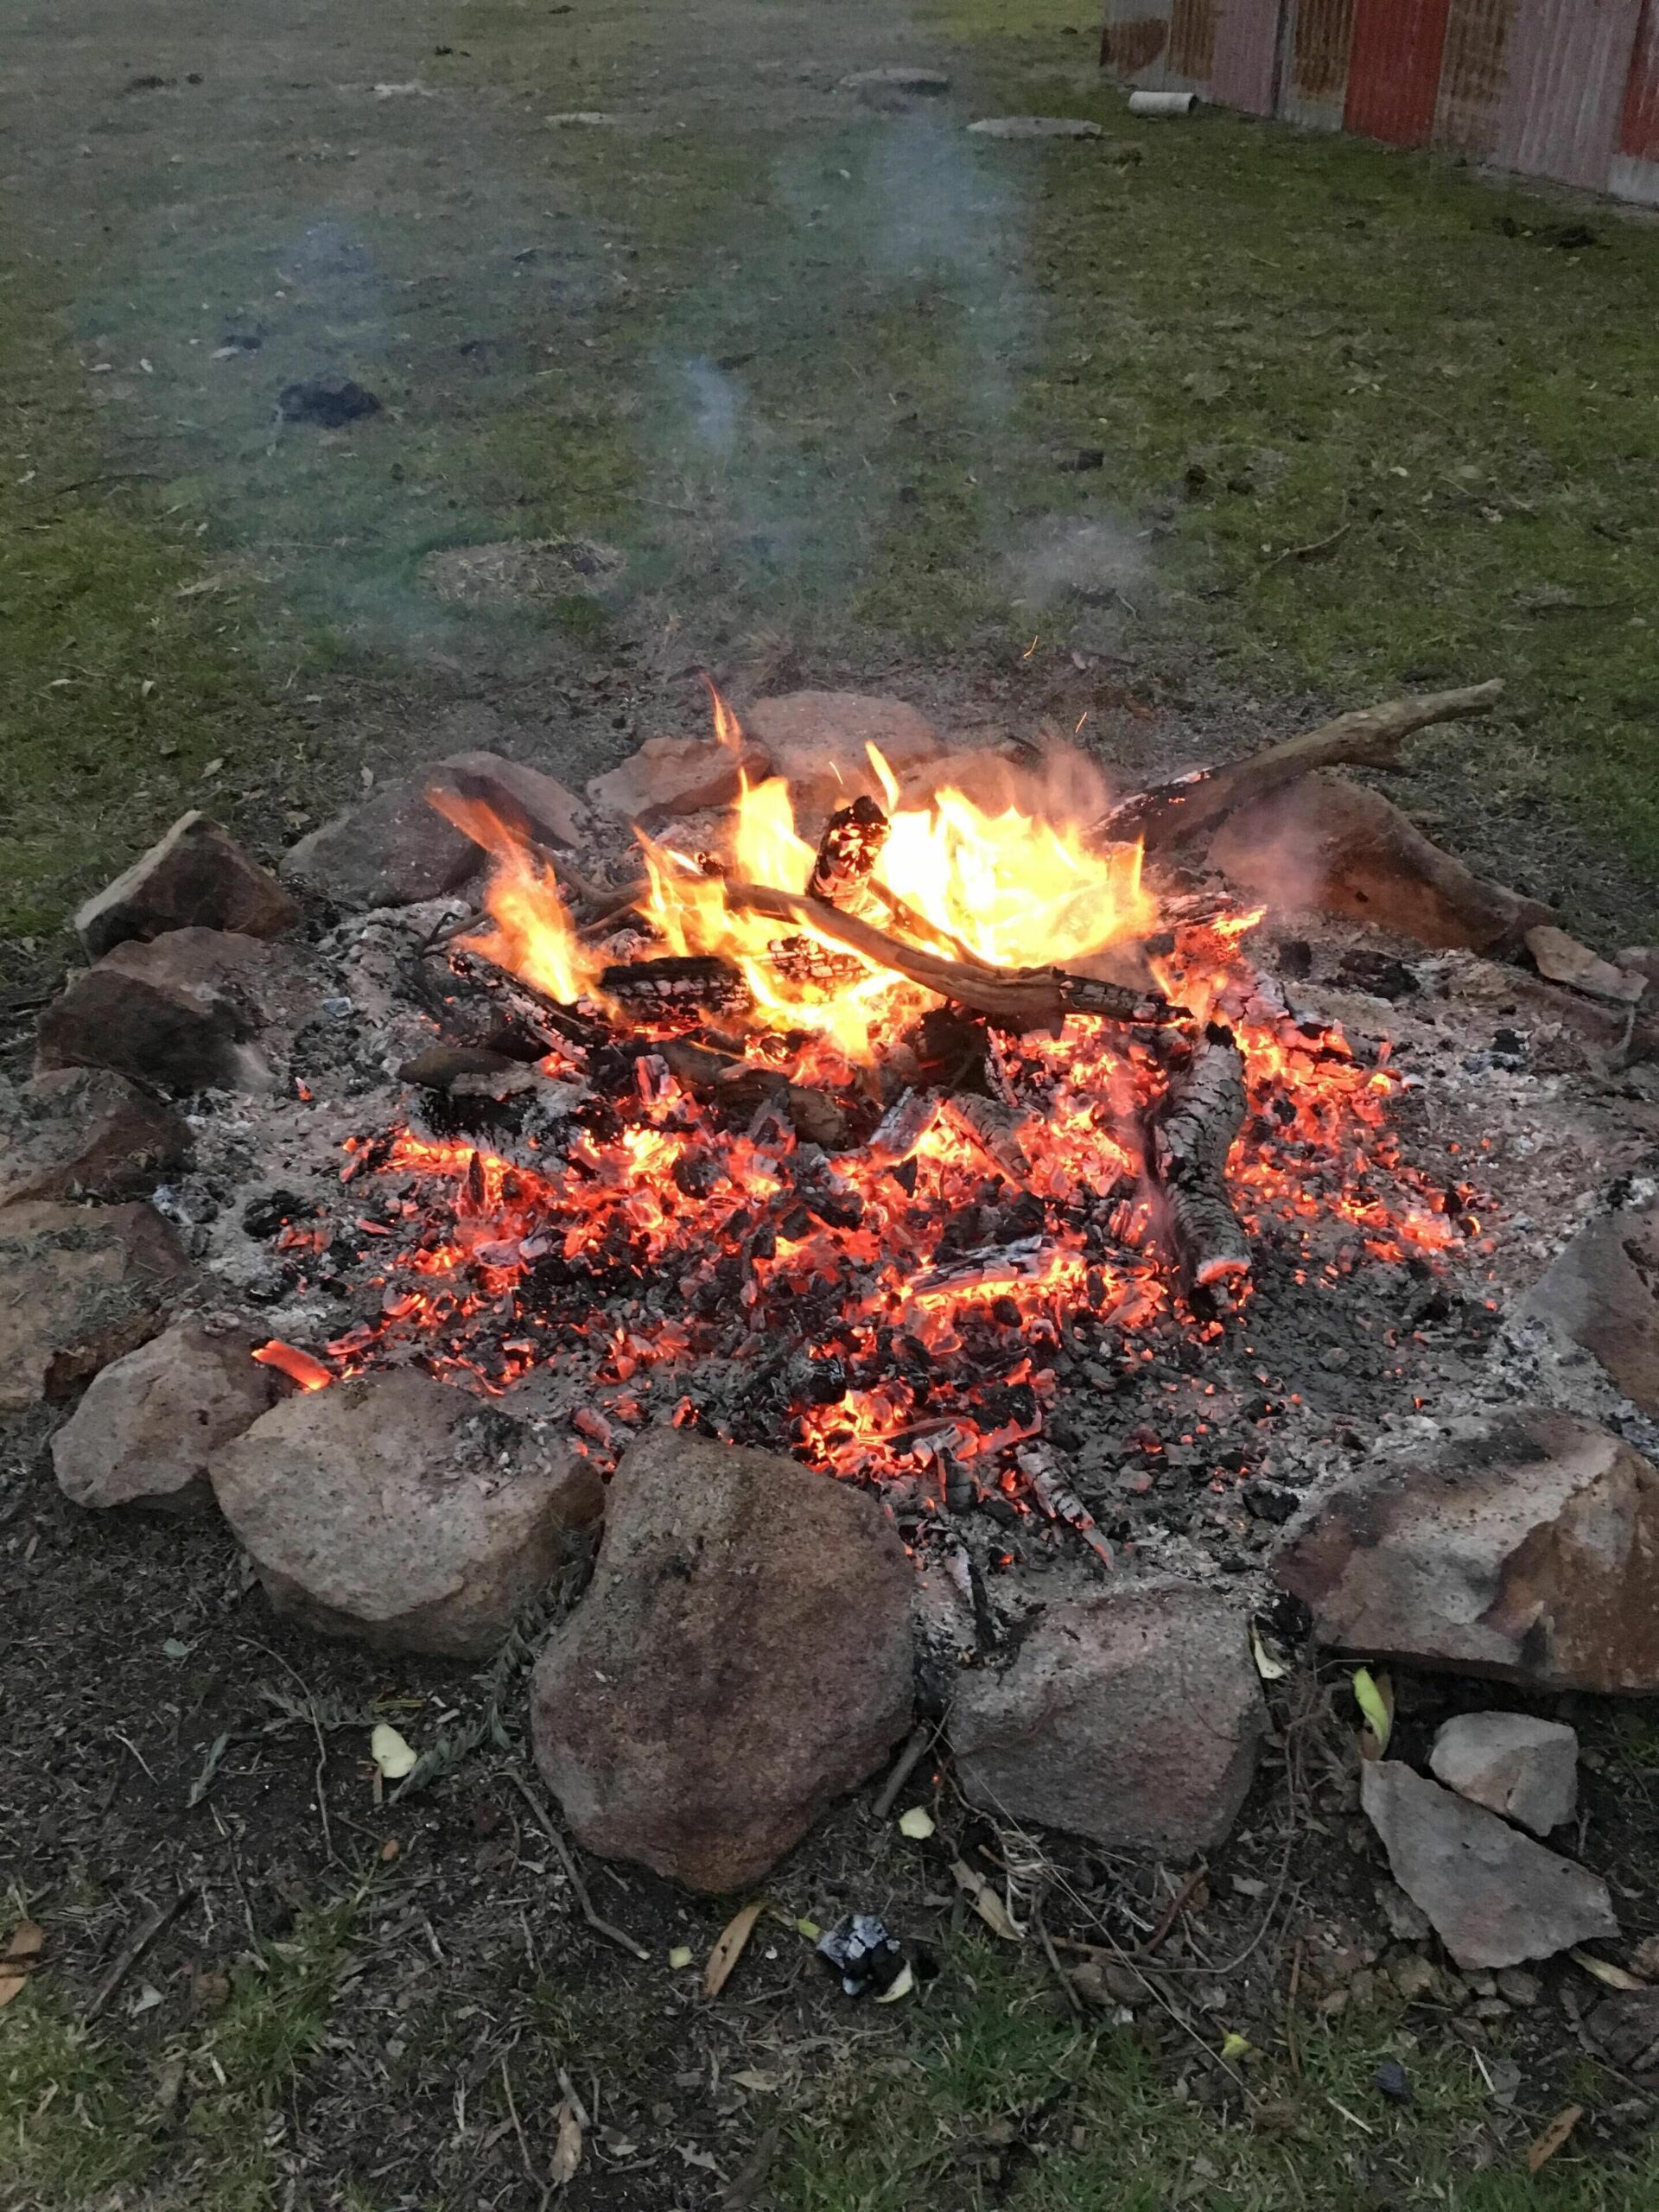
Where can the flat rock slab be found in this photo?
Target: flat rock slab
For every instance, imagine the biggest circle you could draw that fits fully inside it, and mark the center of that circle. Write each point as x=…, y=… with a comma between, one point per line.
x=896, y=78
x=195, y=877
x=1625, y=2027
x=1601, y=1291
x=1493, y=1897
x=742, y=1658
x=401, y=1512
x=672, y=776
x=1343, y=848
x=1524, y=1549
x=529, y=804
x=83, y=1284
x=1034, y=126
x=188, y=1011
x=85, y=1133
x=394, y=851
x=1133, y=1718
x=817, y=740
x=1525, y=1768
x=150, y=1423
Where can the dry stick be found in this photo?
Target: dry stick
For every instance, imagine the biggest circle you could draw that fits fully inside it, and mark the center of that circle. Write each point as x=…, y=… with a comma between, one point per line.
x=1370, y=737
x=578, y=1887
x=917, y=1746
x=158, y=1917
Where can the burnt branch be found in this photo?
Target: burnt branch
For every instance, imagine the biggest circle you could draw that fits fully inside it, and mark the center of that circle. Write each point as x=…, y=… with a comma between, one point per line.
x=1370, y=737
x=847, y=851
x=1203, y=1111
x=1026, y=998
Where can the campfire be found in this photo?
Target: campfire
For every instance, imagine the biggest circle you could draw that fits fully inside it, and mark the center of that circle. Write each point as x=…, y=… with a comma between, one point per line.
x=847, y=1144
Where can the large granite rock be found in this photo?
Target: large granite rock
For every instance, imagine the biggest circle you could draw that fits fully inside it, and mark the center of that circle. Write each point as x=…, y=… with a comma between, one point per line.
x=83, y=1284
x=396, y=1511
x=1525, y=1548
x=1493, y=1897
x=150, y=1423
x=1602, y=1292
x=394, y=851
x=1343, y=848
x=669, y=777
x=85, y=1133
x=530, y=803
x=743, y=1658
x=1133, y=1718
x=191, y=1010
x=195, y=877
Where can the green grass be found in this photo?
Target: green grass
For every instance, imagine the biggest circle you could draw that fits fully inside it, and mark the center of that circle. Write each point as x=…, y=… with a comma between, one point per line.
x=81, y=2113
x=993, y=2097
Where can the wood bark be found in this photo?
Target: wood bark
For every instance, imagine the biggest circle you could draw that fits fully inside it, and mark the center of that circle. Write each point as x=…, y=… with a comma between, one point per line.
x=1369, y=737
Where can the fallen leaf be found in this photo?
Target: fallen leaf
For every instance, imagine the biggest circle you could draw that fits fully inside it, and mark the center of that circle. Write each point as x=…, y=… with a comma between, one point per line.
x=680, y=1956
x=729, y=1949
x=1605, y=1970
x=204, y=1780
x=810, y=1929
x=1376, y=1700
x=567, y=2151
x=917, y=1823
x=902, y=1985
x=1540, y=2153
x=27, y=1941
x=748, y=2079
x=1235, y=2045
x=392, y=1755
x=1269, y=1668
x=175, y=1649
x=986, y=1902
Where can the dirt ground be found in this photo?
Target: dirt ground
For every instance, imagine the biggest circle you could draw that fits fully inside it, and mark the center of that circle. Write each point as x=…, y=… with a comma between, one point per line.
x=788, y=384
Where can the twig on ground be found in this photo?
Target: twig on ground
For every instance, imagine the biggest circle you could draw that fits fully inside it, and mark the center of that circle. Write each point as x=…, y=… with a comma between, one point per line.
x=579, y=1888
x=917, y=1745
x=158, y=1917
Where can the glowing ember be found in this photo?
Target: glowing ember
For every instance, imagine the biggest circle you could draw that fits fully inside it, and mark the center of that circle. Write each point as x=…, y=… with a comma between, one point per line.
x=889, y=1217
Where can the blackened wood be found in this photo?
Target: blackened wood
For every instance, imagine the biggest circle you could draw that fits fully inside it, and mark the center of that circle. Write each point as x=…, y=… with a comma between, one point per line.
x=1203, y=1111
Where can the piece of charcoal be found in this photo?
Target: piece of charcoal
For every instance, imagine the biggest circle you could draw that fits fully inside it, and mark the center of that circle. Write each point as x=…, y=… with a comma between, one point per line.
x=263, y=1215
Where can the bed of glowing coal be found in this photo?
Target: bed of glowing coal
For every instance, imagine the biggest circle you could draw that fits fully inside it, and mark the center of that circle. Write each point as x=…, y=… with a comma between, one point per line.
x=695, y=1164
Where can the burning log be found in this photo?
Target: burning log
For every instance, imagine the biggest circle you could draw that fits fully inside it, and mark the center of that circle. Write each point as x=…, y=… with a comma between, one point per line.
x=903, y=1126
x=1055, y=1496
x=1371, y=737
x=676, y=984
x=721, y=1076
x=988, y=1267
x=1021, y=998
x=847, y=851
x=993, y=1130
x=1204, y=1112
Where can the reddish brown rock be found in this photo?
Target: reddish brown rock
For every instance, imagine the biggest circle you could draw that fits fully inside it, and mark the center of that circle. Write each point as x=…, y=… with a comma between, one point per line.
x=532, y=805
x=1133, y=1718
x=1512, y=1763
x=85, y=1133
x=398, y=1511
x=743, y=1658
x=394, y=851
x=1342, y=847
x=1524, y=1549
x=1492, y=1896
x=816, y=740
x=150, y=1423
x=1602, y=1292
x=1561, y=959
x=671, y=776
x=195, y=877
x=190, y=1011
x=83, y=1284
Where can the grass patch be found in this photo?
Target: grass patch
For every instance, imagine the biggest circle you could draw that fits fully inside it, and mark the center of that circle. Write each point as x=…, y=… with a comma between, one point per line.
x=83, y=2115
x=993, y=2097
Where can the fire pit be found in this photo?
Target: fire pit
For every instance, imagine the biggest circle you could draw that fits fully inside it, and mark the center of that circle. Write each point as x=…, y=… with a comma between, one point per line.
x=927, y=1117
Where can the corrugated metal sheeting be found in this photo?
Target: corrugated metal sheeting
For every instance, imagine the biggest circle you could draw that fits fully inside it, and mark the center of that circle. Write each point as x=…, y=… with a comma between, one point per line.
x=1567, y=89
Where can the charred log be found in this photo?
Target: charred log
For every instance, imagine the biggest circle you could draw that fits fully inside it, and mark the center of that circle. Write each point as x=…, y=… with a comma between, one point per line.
x=1371, y=737
x=686, y=984
x=848, y=849
x=1203, y=1111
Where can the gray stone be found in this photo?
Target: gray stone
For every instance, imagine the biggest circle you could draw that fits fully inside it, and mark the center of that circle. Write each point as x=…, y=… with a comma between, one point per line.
x=394, y=851
x=742, y=1658
x=401, y=1512
x=83, y=1284
x=1133, y=1718
x=1525, y=1768
x=1625, y=2027
x=85, y=1133
x=816, y=740
x=1524, y=1548
x=1493, y=1895
x=1034, y=126
x=150, y=1423
x=190, y=1011
x=672, y=776
x=1602, y=1292
x=195, y=877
